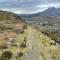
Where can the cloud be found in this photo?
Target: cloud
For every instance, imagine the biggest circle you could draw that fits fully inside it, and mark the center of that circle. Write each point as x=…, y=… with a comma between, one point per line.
x=27, y=6
x=44, y=6
x=20, y=10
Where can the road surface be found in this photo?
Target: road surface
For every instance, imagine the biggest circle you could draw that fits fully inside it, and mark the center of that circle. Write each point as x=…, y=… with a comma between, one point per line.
x=33, y=53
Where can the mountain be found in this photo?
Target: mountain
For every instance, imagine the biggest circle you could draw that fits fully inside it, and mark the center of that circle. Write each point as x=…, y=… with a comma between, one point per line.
x=4, y=15
x=51, y=14
x=52, y=11
x=10, y=21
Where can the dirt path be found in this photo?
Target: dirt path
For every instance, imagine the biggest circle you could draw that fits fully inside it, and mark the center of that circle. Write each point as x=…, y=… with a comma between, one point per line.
x=33, y=53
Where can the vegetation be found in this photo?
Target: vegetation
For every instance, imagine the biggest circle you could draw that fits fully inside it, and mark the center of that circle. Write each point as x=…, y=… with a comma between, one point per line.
x=23, y=45
x=6, y=55
x=19, y=55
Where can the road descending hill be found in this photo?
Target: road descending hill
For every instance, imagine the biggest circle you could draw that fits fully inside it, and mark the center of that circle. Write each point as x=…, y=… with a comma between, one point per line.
x=38, y=47
x=33, y=52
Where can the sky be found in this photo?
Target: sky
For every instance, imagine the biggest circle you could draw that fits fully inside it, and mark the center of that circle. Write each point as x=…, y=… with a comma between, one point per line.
x=27, y=6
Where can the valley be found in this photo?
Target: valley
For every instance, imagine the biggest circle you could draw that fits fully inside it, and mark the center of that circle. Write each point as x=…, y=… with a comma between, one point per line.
x=35, y=38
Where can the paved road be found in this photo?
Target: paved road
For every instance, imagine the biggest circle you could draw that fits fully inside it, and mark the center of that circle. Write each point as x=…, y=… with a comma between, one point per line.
x=32, y=54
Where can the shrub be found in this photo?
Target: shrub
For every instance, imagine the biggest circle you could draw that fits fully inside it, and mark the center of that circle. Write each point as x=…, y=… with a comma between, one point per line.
x=23, y=45
x=6, y=55
x=22, y=32
x=19, y=54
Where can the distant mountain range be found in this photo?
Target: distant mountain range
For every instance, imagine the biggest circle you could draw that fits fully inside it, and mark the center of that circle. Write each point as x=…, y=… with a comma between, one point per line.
x=52, y=11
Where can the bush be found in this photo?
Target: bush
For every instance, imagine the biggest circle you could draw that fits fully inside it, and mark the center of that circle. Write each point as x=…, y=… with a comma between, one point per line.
x=22, y=32
x=6, y=55
x=19, y=54
x=23, y=45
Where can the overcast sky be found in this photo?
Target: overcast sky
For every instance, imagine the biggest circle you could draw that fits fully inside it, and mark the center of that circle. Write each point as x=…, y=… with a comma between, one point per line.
x=27, y=6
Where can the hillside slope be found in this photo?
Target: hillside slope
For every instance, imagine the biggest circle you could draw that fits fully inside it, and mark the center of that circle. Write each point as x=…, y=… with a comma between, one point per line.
x=10, y=26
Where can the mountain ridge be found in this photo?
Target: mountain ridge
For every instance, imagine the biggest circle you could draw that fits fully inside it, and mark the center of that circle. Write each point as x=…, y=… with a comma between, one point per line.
x=52, y=11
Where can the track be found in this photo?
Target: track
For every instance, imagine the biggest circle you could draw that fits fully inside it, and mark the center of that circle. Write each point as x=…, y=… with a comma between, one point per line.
x=32, y=54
